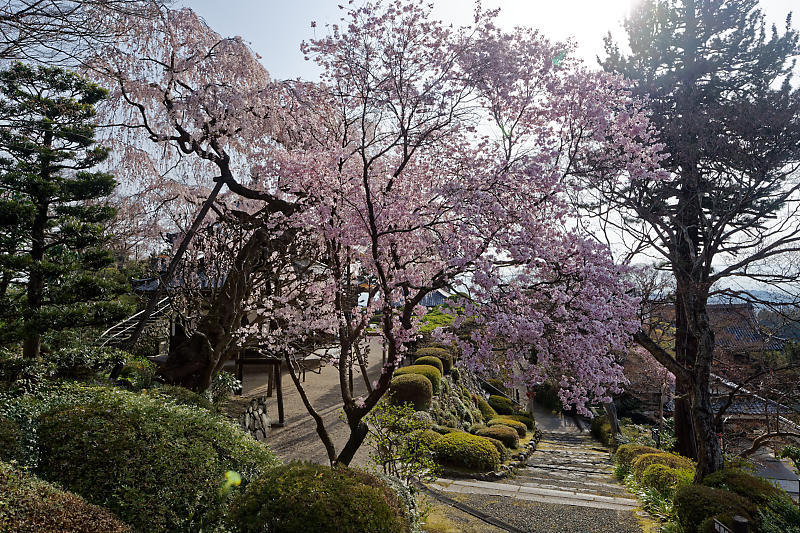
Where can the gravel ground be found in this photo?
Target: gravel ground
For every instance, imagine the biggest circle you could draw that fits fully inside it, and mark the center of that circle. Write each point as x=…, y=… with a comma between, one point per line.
x=551, y=518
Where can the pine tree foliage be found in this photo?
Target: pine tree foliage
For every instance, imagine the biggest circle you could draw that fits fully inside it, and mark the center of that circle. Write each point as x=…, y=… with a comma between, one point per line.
x=53, y=207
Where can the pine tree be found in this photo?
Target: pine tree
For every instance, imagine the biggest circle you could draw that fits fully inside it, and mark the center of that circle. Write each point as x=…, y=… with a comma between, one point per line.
x=719, y=86
x=52, y=207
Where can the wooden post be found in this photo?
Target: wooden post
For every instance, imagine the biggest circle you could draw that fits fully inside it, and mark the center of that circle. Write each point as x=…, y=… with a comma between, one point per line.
x=270, y=379
x=279, y=394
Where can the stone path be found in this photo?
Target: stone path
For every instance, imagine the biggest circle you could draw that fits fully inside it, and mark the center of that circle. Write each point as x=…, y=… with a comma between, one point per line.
x=568, y=484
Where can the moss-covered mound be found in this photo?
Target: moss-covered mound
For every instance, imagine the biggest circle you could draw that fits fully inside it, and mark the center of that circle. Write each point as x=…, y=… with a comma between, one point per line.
x=431, y=361
x=672, y=460
x=501, y=404
x=628, y=452
x=310, y=498
x=463, y=450
x=529, y=422
x=486, y=410
x=430, y=372
x=664, y=478
x=156, y=465
x=29, y=505
x=757, y=490
x=693, y=504
x=411, y=388
x=519, y=427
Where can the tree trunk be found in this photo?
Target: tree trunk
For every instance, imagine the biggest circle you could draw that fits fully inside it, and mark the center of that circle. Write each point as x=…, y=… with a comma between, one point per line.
x=611, y=412
x=358, y=432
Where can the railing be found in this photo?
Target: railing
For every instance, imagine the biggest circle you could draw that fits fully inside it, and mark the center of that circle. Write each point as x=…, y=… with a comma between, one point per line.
x=131, y=322
x=740, y=525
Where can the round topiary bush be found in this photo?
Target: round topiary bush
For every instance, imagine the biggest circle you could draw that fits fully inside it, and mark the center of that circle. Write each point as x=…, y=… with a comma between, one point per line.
x=428, y=437
x=431, y=361
x=694, y=503
x=501, y=404
x=474, y=428
x=430, y=372
x=10, y=438
x=501, y=448
x=411, y=388
x=504, y=434
x=311, y=498
x=671, y=460
x=529, y=422
x=519, y=427
x=462, y=450
x=664, y=478
x=486, y=410
x=442, y=354
x=757, y=490
x=626, y=453
x=29, y=505
x=156, y=465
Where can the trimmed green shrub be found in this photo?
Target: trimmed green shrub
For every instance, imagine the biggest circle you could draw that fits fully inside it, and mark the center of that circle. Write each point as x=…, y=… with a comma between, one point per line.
x=411, y=388
x=694, y=503
x=519, y=427
x=494, y=386
x=501, y=448
x=628, y=452
x=10, y=438
x=430, y=360
x=526, y=419
x=475, y=427
x=428, y=437
x=601, y=430
x=779, y=515
x=501, y=404
x=755, y=489
x=441, y=353
x=155, y=465
x=430, y=372
x=664, y=478
x=672, y=460
x=462, y=450
x=485, y=409
x=311, y=498
x=444, y=430
x=504, y=434
x=85, y=361
x=182, y=396
x=29, y=505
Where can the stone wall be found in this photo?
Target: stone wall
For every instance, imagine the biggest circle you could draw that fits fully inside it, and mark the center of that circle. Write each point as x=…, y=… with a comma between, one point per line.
x=255, y=420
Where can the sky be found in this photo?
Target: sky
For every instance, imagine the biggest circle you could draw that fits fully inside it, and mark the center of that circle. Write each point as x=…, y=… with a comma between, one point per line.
x=275, y=28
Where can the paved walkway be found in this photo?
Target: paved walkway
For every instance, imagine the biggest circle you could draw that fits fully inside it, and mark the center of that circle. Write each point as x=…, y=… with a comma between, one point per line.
x=567, y=486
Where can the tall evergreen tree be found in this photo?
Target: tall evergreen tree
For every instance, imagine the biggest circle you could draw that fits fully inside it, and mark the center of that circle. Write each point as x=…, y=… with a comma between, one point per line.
x=719, y=86
x=52, y=207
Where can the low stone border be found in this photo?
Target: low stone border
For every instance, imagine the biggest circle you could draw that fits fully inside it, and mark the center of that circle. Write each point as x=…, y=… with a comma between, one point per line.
x=520, y=459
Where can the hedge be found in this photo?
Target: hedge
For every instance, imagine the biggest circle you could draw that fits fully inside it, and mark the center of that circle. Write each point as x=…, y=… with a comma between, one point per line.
x=755, y=489
x=430, y=372
x=628, y=452
x=441, y=353
x=182, y=396
x=311, y=498
x=529, y=422
x=431, y=361
x=501, y=404
x=159, y=466
x=411, y=388
x=602, y=431
x=444, y=430
x=504, y=434
x=672, y=460
x=695, y=503
x=664, y=478
x=519, y=427
x=462, y=450
x=29, y=505
x=10, y=437
x=428, y=437
x=501, y=448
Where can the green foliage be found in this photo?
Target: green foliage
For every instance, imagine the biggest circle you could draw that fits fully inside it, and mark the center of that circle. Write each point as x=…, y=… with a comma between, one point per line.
x=755, y=489
x=411, y=388
x=546, y=394
x=401, y=442
x=138, y=373
x=526, y=419
x=455, y=374
x=672, y=460
x=501, y=448
x=694, y=503
x=10, y=439
x=443, y=354
x=462, y=450
x=475, y=427
x=602, y=431
x=519, y=427
x=664, y=479
x=430, y=372
x=168, y=461
x=431, y=361
x=223, y=386
x=181, y=396
x=444, y=430
x=792, y=453
x=779, y=515
x=54, y=208
x=486, y=410
x=85, y=361
x=504, y=434
x=438, y=317
x=501, y=404
x=310, y=498
x=494, y=386
x=29, y=505
x=626, y=453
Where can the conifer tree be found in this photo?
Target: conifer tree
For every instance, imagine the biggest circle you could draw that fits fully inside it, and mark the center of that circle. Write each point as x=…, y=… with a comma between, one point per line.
x=719, y=85
x=53, y=207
